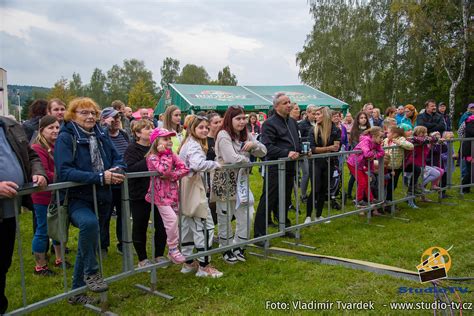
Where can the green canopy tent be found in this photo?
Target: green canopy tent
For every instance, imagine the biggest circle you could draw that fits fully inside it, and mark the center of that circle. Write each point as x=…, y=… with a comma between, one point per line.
x=193, y=98
x=202, y=98
x=304, y=95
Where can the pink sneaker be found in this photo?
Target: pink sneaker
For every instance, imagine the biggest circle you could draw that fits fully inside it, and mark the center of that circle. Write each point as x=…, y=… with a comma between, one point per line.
x=175, y=256
x=208, y=272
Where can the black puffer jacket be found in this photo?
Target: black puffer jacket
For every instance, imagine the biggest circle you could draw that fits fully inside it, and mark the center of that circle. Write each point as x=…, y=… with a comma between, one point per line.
x=305, y=127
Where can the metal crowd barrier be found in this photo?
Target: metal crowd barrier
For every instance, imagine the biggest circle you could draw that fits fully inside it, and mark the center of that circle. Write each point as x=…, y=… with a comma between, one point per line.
x=129, y=268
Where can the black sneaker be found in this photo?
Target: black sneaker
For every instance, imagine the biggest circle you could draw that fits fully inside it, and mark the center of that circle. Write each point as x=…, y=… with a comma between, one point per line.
x=260, y=244
x=82, y=299
x=96, y=283
x=239, y=254
x=229, y=257
x=44, y=271
x=361, y=204
x=290, y=235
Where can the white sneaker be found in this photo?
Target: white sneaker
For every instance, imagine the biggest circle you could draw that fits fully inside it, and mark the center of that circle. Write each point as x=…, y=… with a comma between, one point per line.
x=208, y=272
x=307, y=220
x=190, y=267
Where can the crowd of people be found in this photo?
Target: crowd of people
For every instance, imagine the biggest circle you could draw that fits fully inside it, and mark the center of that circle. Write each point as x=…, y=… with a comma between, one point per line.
x=82, y=143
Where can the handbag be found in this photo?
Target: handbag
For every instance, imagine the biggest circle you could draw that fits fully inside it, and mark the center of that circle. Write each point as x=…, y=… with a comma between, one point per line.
x=58, y=220
x=57, y=217
x=193, y=197
x=244, y=195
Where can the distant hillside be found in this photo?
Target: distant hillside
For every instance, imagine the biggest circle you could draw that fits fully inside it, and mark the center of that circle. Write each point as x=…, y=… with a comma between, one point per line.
x=26, y=93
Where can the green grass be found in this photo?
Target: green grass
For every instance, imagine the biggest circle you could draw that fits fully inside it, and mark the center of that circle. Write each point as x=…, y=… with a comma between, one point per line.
x=245, y=288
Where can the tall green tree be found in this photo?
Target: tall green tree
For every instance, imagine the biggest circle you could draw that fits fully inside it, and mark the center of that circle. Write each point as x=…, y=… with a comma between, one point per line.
x=226, y=78
x=192, y=74
x=75, y=85
x=96, y=87
x=140, y=97
x=443, y=28
x=61, y=91
x=114, y=85
x=169, y=71
x=134, y=71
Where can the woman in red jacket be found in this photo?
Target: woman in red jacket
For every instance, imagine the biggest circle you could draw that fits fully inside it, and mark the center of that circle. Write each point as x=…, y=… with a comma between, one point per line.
x=44, y=147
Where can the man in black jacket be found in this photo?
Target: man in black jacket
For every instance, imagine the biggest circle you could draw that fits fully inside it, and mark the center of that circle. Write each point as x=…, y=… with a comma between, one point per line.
x=280, y=136
x=432, y=120
x=24, y=166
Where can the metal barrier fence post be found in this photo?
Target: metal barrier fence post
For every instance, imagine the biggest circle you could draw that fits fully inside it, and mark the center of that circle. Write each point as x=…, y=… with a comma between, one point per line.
x=126, y=229
x=282, y=203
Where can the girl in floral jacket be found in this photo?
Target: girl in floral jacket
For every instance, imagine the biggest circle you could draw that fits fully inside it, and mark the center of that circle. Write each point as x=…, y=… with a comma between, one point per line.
x=360, y=163
x=170, y=170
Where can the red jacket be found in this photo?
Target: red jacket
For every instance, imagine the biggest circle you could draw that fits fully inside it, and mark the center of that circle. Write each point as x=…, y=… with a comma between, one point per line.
x=47, y=161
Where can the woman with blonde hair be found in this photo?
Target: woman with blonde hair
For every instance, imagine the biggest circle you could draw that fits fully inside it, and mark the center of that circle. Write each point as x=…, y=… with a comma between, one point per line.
x=197, y=232
x=325, y=137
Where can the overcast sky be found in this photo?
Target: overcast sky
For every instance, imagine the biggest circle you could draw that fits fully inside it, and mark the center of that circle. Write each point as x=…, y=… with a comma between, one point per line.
x=42, y=41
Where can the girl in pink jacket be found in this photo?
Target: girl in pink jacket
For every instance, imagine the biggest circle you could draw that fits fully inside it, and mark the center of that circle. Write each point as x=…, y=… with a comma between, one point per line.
x=370, y=143
x=170, y=170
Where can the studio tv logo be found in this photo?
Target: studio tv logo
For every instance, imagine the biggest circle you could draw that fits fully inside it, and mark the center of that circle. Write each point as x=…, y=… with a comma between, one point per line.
x=435, y=264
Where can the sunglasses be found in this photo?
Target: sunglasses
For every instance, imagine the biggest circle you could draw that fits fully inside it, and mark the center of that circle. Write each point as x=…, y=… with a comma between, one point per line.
x=236, y=106
x=202, y=118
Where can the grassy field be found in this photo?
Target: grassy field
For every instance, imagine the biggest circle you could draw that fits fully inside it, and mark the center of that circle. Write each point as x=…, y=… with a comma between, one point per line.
x=247, y=288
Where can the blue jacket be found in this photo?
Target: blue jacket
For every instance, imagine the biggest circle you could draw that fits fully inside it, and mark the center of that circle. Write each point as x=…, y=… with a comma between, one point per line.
x=79, y=167
x=463, y=118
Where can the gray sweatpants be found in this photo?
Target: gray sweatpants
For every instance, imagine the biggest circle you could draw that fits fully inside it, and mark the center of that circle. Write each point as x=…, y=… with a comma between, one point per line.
x=195, y=232
x=224, y=225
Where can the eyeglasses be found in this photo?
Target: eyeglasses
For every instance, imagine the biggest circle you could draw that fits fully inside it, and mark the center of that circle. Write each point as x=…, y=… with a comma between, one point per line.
x=87, y=113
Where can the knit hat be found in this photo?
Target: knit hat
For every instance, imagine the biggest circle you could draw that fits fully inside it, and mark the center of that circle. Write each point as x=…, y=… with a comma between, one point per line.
x=470, y=106
x=108, y=112
x=160, y=132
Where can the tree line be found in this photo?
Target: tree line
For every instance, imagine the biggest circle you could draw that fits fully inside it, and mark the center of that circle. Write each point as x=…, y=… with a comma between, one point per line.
x=133, y=83
x=391, y=52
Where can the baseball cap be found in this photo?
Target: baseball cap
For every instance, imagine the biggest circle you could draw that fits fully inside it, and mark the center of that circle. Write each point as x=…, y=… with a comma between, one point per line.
x=108, y=112
x=160, y=132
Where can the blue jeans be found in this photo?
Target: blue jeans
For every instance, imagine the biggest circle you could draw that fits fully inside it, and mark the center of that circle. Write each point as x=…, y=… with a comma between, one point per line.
x=40, y=239
x=83, y=217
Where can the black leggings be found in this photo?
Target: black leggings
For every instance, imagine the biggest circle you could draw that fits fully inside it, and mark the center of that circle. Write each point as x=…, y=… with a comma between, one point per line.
x=7, y=242
x=394, y=179
x=320, y=185
x=141, y=211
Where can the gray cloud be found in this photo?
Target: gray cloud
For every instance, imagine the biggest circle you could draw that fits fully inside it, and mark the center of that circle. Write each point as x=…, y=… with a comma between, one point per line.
x=49, y=39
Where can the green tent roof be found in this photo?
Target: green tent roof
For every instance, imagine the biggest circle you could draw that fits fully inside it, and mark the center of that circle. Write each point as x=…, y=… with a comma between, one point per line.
x=206, y=97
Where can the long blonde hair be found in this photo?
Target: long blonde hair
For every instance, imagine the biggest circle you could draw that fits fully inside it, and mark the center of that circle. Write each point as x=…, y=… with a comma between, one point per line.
x=191, y=131
x=324, y=127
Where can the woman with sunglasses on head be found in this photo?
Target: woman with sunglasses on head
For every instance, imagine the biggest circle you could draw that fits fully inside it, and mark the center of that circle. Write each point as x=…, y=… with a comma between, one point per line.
x=197, y=232
x=84, y=153
x=44, y=147
x=234, y=144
